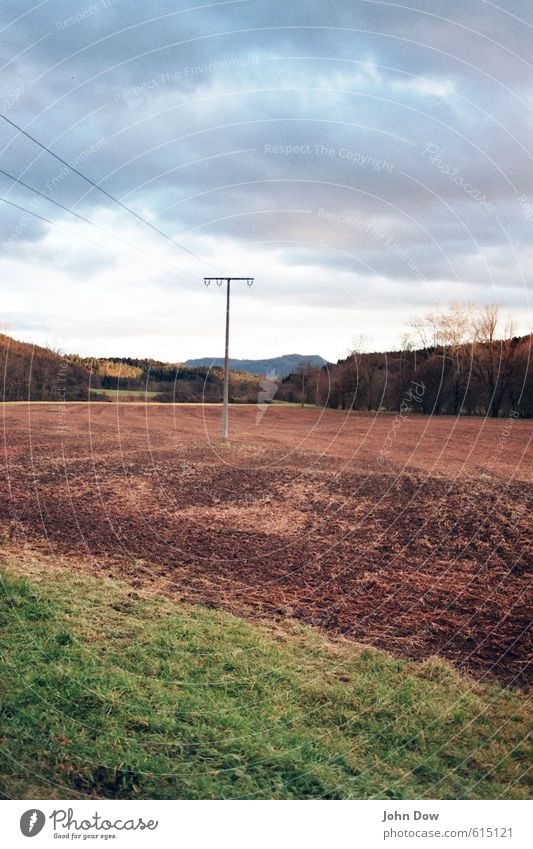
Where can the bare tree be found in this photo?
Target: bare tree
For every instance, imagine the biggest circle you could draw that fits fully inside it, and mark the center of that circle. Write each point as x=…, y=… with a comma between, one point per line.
x=493, y=358
x=444, y=333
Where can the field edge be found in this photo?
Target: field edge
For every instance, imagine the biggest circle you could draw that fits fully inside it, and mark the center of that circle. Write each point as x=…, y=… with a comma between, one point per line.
x=147, y=698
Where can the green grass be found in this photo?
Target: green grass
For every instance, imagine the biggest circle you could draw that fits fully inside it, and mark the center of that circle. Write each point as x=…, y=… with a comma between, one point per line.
x=124, y=393
x=276, y=403
x=108, y=694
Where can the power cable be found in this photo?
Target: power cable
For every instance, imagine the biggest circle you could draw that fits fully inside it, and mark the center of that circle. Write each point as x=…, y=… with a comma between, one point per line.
x=100, y=189
x=86, y=220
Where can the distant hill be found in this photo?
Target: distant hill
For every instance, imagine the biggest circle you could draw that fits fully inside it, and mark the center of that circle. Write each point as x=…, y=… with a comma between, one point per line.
x=276, y=366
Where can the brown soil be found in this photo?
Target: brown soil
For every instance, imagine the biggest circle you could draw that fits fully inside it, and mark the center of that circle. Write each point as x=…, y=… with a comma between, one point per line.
x=424, y=552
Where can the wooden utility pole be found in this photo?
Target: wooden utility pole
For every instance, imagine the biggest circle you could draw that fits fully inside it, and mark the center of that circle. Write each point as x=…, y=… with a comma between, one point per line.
x=225, y=401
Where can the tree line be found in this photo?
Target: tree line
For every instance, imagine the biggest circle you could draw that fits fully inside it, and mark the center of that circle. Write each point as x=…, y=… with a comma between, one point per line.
x=168, y=382
x=461, y=359
x=35, y=373
x=454, y=360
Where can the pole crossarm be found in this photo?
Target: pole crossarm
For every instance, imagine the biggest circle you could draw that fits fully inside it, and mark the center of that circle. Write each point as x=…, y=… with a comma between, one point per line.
x=220, y=280
x=228, y=281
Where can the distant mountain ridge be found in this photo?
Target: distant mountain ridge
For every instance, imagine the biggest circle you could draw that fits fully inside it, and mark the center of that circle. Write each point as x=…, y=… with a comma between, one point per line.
x=276, y=366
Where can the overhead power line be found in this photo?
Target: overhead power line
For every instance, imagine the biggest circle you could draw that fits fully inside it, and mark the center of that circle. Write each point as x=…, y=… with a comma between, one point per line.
x=100, y=189
x=87, y=221
x=78, y=235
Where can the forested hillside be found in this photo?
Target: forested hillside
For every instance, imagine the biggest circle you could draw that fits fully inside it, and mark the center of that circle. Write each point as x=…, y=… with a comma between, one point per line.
x=34, y=373
x=31, y=373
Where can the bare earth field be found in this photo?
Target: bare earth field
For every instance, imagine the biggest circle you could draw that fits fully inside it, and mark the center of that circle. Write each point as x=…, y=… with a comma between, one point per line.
x=424, y=552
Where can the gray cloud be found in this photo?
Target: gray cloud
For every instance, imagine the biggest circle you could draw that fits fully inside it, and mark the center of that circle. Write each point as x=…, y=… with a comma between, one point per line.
x=383, y=142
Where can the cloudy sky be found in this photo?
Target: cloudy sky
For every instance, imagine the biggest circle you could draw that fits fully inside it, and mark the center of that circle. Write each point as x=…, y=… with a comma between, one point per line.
x=363, y=160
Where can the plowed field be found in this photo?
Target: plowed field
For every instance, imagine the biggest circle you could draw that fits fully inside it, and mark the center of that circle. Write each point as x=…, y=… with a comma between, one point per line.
x=415, y=538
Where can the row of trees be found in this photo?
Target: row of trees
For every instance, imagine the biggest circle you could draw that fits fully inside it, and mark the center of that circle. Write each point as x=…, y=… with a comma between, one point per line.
x=463, y=360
